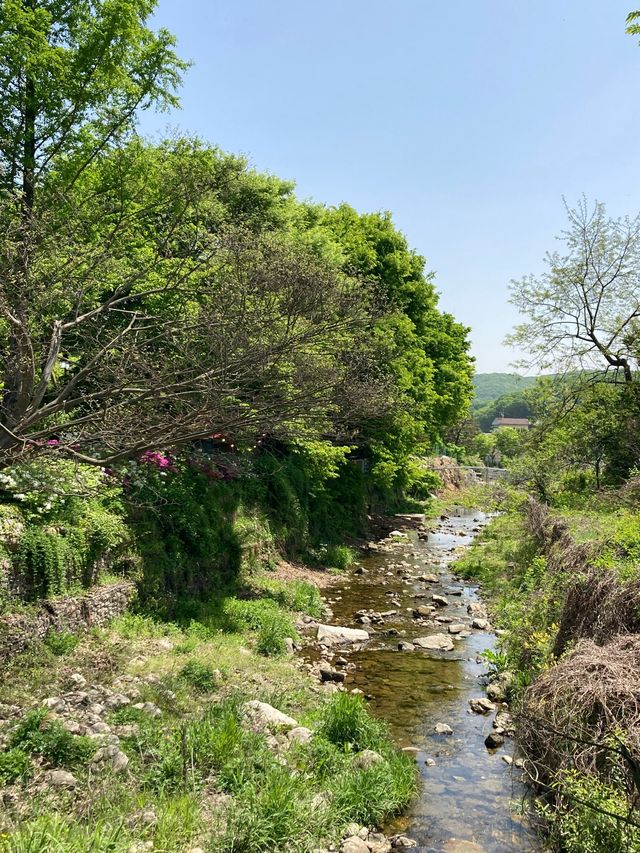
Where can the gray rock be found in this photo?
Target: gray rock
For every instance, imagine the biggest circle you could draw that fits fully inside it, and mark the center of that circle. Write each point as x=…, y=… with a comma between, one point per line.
x=481, y=705
x=406, y=647
x=117, y=700
x=456, y=628
x=435, y=642
x=367, y=758
x=442, y=729
x=56, y=704
x=300, y=734
x=493, y=740
x=402, y=842
x=62, y=779
x=148, y=708
x=329, y=674
x=481, y=624
x=354, y=845
x=337, y=634
x=111, y=756
x=378, y=843
x=264, y=716
x=440, y=600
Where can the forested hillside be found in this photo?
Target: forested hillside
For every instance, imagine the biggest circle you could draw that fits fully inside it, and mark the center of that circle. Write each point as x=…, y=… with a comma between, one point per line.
x=489, y=386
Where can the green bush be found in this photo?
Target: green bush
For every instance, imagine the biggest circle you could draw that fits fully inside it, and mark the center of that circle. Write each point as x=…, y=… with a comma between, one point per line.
x=15, y=765
x=61, y=642
x=199, y=675
x=370, y=796
x=35, y=734
x=298, y=595
x=274, y=814
x=592, y=816
x=347, y=723
x=271, y=623
x=46, y=561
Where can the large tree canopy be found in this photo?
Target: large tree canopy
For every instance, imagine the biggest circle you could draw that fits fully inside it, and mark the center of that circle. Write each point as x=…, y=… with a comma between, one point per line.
x=154, y=294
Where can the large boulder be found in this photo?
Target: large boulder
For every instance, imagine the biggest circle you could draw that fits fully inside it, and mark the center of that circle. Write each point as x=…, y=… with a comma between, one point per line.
x=339, y=634
x=435, y=642
x=263, y=716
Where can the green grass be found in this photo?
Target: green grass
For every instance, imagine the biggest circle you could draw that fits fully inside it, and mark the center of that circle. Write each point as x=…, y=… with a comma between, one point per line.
x=221, y=654
x=201, y=676
x=15, y=765
x=346, y=723
x=61, y=642
x=37, y=735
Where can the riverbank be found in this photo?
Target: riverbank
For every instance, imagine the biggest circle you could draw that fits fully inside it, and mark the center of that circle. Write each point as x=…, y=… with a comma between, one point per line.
x=152, y=735
x=561, y=585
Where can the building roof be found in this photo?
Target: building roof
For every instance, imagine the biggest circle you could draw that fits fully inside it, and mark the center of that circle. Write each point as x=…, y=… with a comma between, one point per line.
x=511, y=422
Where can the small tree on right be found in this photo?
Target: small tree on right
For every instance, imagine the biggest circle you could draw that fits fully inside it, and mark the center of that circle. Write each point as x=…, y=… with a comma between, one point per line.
x=583, y=314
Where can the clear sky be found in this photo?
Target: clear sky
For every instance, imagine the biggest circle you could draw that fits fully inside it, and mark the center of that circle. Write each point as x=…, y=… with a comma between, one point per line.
x=468, y=120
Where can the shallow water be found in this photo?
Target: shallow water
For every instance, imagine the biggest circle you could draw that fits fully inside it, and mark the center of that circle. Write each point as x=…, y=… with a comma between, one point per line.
x=470, y=794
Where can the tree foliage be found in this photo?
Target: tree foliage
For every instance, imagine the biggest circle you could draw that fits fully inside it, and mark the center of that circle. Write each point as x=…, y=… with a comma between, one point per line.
x=584, y=312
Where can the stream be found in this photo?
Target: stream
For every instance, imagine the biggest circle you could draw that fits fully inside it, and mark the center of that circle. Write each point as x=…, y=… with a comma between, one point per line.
x=470, y=800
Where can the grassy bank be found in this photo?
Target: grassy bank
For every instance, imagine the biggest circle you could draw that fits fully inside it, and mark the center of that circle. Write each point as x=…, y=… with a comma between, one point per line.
x=195, y=772
x=563, y=586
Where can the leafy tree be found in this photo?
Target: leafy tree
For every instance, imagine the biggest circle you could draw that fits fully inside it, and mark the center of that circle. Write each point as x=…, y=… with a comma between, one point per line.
x=150, y=295
x=508, y=442
x=422, y=350
x=584, y=313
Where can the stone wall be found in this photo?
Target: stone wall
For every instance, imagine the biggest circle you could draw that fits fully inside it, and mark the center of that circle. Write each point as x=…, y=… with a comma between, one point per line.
x=94, y=608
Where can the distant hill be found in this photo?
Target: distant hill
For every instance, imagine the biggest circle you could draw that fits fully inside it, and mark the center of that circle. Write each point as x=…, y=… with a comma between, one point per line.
x=490, y=386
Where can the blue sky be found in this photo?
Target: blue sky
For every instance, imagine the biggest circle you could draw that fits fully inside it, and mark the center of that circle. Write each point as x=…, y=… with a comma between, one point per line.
x=468, y=121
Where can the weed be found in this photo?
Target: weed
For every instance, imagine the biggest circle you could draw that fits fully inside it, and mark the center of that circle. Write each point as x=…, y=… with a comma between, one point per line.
x=384, y=789
x=200, y=676
x=273, y=815
x=61, y=642
x=346, y=722
x=53, y=833
x=48, y=738
x=15, y=765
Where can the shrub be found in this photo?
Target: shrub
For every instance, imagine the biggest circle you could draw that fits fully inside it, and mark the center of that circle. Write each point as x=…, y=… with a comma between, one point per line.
x=375, y=794
x=337, y=557
x=48, y=738
x=15, y=765
x=199, y=675
x=271, y=815
x=46, y=560
x=271, y=623
x=297, y=595
x=346, y=722
x=61, y=642
x=271, y=635
x=593, y=816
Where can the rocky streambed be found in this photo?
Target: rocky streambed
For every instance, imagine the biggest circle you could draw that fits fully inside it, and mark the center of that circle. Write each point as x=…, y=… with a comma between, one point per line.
x=409, y=635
